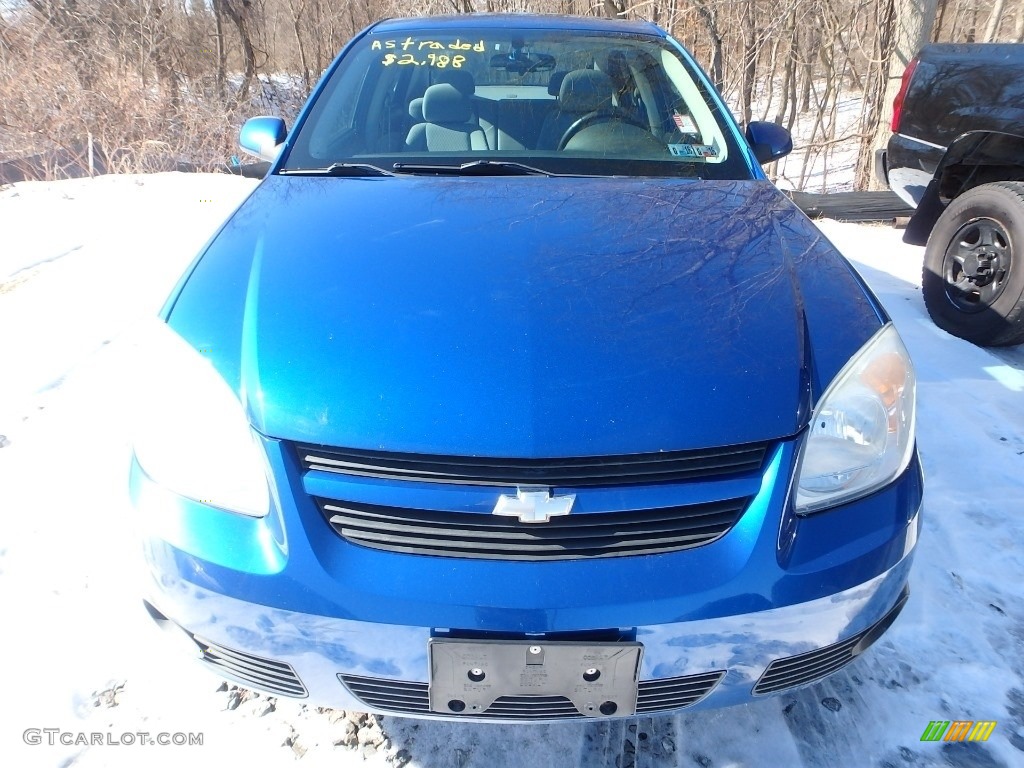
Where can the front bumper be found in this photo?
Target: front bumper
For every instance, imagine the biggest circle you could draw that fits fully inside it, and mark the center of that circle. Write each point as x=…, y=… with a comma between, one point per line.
x=284, y=605
x=382, y=668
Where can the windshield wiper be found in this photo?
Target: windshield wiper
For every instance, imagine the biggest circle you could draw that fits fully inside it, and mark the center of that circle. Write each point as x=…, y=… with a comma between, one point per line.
x=476, y=168
x=339, y=169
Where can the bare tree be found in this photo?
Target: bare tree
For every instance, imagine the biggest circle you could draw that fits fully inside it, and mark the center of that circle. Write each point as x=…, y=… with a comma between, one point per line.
x=71, y=26
x=162, y=82
x=995, y=18
x=237, y=12
x=709, y=16
x=905, y=27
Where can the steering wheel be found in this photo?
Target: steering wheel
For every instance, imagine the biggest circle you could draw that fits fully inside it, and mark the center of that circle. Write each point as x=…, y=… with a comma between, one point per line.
x=599, y=116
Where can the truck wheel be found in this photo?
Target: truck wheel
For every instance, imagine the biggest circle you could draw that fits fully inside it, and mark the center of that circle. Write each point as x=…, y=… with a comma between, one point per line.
x=973, y=279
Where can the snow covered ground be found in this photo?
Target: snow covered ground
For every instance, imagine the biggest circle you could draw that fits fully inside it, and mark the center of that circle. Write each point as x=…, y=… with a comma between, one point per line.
x=819, y=165
x=825, y=149
x=82, y=261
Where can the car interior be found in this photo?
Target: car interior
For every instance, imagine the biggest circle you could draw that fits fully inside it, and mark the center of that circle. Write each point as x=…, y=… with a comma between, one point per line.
x=611, y=99
x=453, y=114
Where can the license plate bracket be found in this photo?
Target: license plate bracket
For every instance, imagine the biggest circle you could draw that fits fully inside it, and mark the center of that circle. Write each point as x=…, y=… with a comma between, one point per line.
x=600, y=679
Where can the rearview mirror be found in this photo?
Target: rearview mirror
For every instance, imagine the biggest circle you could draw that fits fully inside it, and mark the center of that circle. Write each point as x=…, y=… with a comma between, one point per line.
x=520, y=64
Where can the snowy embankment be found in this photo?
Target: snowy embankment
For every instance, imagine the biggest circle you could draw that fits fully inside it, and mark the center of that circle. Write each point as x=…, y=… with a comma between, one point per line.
x=82, y=261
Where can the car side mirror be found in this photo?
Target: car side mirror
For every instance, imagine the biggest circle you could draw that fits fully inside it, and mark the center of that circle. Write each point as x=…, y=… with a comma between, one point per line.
x=263, y=137
x=769, y=141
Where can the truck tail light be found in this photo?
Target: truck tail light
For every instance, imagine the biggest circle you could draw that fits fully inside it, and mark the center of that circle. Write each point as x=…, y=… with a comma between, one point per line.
x=897, y=103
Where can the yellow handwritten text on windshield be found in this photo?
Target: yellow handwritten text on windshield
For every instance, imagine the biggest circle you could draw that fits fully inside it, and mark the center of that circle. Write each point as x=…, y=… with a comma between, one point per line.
x=439, y=60
x=412, y=44
x=426, y=53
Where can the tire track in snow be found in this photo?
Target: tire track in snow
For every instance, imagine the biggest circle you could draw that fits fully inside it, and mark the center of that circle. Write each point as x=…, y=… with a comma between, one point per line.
x=640, y=742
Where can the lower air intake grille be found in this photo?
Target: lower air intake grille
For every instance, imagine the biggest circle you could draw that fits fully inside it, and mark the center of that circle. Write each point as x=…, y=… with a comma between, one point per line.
x=573, y=537
x=255, y=671
x=675, y=692
x=575, y=472
x=809, y=667
x=405, y=697
x=389, y=695
x=806, y=667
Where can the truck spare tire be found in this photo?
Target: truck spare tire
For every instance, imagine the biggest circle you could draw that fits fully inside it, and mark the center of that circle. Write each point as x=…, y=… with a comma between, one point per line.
x=973, y=277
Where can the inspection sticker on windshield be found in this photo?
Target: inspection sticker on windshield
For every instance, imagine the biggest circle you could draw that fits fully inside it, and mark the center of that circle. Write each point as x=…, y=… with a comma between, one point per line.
x=684, y=123
x=692, y=150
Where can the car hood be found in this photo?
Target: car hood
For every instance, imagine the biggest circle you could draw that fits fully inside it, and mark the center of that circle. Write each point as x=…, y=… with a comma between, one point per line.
x=523, y=316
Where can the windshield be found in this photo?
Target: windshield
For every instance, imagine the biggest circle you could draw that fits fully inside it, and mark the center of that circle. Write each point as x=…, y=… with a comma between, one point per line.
x=527, y=101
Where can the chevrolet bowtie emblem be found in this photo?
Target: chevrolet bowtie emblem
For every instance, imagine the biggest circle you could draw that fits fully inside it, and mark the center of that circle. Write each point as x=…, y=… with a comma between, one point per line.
x=532, y=506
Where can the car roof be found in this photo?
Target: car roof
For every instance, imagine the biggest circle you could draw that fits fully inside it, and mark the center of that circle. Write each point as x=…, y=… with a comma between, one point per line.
x=517, y=20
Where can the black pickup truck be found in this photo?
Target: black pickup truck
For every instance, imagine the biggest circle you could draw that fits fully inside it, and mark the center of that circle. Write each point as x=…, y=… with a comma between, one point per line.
x=957, y=156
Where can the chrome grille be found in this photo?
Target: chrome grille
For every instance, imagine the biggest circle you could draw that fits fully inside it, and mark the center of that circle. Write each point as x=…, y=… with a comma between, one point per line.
x=812, y=666
x=484, y=536
x=806, y=667
x=404, y=697
x=249, y=670
x=668, y=693
x=627, y=469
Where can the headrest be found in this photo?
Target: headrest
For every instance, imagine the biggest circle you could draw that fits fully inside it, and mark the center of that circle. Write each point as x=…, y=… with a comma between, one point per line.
x=585, y=90
x=555, y=83
x=442, y=103
x=617, y=68
x=416, y=110
x=460, y=78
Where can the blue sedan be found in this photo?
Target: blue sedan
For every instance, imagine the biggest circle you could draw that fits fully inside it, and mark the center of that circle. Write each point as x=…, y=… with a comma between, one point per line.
x=515, y=391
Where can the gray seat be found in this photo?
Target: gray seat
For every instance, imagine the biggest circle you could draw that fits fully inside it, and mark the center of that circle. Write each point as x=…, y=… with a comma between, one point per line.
x=460, y=78
x=555, y=82
x=466, y=85
x=449, y=125
x=582, y=91
x=416, y=141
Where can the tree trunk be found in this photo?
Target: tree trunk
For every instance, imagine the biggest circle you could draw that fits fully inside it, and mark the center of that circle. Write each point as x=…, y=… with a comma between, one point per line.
x=710, y=18
x=615, y=9
x=939, y=20
x=673, y=11
x=222, y=54
x=994, y=19
x=297, y=13
x=971, y=21
x=787, y=102
x=163, y=59
x=749, y=61
x=773, y=68
x=911, y=23
x=248, y=51
x=810, y=53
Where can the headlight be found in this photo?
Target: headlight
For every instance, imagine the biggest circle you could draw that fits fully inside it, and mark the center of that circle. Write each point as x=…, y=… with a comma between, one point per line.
x=191, y=434
x=862, y=433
